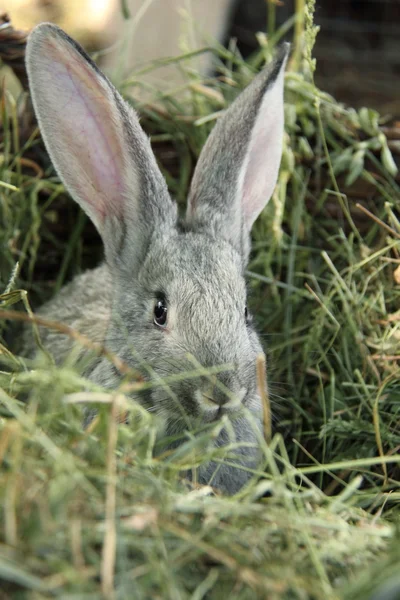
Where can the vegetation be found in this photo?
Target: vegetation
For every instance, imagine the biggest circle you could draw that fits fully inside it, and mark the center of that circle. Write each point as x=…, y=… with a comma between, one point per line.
x=85, y=512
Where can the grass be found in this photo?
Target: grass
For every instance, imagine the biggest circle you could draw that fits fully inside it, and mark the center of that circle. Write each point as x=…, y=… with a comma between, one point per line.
x=91, y=512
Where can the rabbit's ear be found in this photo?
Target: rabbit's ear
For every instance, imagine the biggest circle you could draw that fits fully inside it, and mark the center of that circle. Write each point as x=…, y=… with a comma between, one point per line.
x=238, y=167
x=96, y=144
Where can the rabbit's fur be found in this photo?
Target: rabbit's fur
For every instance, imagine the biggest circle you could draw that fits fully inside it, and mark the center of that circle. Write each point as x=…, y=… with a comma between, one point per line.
x=196, y=265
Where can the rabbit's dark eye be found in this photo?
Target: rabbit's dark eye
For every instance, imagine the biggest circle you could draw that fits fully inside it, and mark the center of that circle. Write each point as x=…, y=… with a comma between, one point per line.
x=246, y=314
x=160, y=312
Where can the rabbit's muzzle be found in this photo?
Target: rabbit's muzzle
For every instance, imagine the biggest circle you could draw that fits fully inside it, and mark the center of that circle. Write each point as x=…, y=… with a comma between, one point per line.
x=220, y=394
x=221, y=390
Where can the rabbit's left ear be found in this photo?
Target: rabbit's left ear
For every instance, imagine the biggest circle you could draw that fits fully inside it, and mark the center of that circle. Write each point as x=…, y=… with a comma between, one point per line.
x=97, y=146
x=238, y=167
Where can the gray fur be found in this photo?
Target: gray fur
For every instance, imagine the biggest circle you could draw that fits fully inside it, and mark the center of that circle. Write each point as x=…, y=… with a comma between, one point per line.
x=196, y=265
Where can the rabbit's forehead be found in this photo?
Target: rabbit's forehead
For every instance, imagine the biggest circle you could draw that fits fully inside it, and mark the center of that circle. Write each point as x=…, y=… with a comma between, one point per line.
x=195, y=263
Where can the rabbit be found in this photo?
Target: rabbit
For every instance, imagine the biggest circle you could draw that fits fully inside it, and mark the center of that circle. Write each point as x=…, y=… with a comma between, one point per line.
x=170, y=290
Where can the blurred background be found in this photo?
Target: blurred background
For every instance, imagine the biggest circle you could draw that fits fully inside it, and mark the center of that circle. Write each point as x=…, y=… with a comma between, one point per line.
x=357, y=50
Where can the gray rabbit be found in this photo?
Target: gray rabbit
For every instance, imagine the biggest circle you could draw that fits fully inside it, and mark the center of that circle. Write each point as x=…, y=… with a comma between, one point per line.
x=169, y=289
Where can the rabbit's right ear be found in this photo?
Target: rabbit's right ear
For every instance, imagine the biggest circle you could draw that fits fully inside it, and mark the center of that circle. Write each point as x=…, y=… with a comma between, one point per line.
x=96, y=145
x=238, y=166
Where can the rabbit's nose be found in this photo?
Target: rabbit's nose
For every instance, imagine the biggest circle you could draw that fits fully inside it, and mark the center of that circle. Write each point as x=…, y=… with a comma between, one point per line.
x=222, y=393
x=214, y=399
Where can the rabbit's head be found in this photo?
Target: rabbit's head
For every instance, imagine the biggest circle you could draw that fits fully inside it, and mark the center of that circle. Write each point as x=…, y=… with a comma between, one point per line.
x=179, y=291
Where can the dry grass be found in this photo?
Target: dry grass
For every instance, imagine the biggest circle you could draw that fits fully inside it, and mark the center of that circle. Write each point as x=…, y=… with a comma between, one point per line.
x=91, y=512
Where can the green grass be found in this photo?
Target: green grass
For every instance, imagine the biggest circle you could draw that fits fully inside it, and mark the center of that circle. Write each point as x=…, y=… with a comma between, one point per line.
x=86, y=512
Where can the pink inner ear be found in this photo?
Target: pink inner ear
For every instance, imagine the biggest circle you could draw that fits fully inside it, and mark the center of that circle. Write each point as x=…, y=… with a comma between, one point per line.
x=261, y=165
x=87, y=144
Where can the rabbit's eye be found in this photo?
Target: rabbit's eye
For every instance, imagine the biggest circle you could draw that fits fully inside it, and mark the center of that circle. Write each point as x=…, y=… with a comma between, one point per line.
x=246, y=313
x=160, y=312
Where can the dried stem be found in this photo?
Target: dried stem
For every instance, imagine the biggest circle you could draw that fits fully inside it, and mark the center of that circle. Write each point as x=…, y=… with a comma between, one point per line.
x=263, y=391
x=100, y=349
x=110, y=536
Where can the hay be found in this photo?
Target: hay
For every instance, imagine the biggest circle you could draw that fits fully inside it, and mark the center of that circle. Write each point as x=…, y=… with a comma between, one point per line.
x=85, y=513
